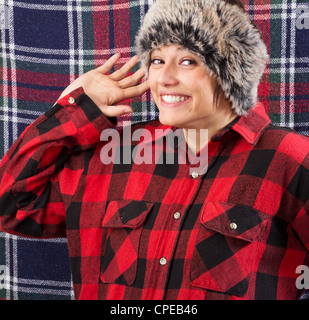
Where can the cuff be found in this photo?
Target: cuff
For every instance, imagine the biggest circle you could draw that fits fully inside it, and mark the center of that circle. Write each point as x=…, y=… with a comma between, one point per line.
x=86, y=116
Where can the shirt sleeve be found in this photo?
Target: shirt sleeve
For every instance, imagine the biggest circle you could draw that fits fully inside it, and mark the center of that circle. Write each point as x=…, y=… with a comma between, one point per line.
x=31, y=203
x=300, y=183
x=301, y=225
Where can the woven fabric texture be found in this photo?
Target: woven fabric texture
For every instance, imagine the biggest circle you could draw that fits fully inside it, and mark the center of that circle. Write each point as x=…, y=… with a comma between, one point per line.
x=46, y=44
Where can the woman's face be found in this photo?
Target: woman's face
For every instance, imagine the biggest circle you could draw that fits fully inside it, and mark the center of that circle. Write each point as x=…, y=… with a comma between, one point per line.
x=182, y=88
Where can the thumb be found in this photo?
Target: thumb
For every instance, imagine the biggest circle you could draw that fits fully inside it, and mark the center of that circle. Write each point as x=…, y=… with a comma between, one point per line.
x=116, y=111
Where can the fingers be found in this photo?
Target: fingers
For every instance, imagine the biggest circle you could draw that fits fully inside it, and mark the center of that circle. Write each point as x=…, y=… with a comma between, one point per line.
x=116, y=111
x=132, y=80
x=121, y=75
x=135, y=91
x=125, y=69
x=108, y=65
x=129, y=84
x=117, y=86
x=128, y=93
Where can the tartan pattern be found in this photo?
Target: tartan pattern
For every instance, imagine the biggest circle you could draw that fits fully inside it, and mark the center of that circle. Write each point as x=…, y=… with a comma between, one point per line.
x=223, y=256
x=28, y=260
x=124, y=220
x=48, y=43
x=120, y=223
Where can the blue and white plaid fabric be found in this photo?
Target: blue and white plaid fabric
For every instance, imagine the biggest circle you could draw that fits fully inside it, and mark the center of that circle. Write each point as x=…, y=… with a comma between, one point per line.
x=45, y=44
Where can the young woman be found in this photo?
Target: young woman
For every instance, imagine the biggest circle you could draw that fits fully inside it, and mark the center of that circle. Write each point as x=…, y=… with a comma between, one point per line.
x=163, y=229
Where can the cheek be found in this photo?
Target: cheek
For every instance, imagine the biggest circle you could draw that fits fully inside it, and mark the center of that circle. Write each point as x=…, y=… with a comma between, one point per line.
x=152, y=84
x=205, y=92
x=151, y=77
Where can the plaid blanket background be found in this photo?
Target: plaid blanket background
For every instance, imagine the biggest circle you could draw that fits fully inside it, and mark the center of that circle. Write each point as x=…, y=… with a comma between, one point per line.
x=45, y=44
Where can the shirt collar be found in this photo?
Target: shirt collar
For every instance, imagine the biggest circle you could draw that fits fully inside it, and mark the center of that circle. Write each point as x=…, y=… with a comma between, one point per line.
x=249, y=126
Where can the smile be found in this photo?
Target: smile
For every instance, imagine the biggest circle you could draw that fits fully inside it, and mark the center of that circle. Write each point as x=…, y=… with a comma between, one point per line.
x=171, y=99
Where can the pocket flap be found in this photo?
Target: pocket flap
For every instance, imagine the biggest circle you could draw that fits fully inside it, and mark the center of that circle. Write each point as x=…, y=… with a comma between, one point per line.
x=126, y=214
x=233, y=220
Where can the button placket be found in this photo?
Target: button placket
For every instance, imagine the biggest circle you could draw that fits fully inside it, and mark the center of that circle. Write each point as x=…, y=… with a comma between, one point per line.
x=194, y=175
x=177, y=215
x=163, y=261
x=233, y=226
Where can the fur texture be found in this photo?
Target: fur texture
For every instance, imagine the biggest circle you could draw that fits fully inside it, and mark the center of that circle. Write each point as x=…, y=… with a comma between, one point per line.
x=220, y=34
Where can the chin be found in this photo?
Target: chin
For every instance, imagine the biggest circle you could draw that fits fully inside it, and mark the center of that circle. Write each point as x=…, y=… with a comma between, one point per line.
x=166, y=121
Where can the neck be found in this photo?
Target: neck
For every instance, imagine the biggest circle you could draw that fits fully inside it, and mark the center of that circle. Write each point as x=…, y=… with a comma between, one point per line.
x=198, y=138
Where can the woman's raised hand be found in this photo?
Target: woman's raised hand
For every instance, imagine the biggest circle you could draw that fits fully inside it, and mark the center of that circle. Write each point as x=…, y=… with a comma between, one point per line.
x=105, y=89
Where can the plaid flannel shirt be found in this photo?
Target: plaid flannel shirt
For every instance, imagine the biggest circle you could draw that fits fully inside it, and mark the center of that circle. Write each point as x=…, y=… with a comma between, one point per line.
x=154, y=231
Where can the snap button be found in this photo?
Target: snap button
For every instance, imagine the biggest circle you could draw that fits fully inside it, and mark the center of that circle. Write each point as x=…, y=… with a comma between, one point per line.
x=177, y=215
x=163, y=261
x=71, y=100
x=194, y=175
x=233, y=226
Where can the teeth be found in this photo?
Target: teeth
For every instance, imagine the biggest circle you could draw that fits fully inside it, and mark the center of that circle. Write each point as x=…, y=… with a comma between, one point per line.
x=173, y=99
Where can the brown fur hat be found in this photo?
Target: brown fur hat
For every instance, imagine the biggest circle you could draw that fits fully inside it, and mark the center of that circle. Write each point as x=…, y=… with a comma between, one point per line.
x=220, y=33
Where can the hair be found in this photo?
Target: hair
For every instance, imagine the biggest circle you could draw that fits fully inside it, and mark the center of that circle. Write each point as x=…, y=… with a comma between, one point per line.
x=217, y=95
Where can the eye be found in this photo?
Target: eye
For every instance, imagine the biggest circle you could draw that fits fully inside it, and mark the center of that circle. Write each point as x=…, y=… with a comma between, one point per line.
x=156, y=61
x=188, y=62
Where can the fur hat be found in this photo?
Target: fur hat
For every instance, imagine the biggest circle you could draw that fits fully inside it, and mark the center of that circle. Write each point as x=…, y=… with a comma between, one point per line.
x=220, y=33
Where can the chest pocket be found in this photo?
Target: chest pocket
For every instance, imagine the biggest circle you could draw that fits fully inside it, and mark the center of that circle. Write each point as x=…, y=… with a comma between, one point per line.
x=226, y=247
x=123, y=220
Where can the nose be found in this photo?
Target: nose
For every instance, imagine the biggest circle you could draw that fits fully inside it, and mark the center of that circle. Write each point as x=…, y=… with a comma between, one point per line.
x=168, y=75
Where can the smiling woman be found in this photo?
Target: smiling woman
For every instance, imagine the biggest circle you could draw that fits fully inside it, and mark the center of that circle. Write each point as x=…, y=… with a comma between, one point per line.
x=161, y=229
x=182, y=102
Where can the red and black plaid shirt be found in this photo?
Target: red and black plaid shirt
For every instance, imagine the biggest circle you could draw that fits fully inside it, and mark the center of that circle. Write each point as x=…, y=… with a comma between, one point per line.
x=154, y=231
